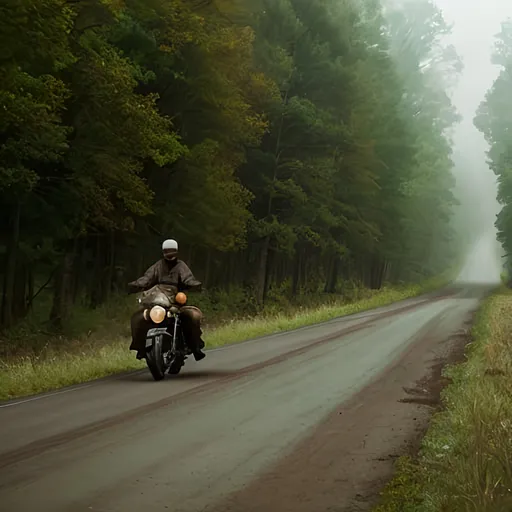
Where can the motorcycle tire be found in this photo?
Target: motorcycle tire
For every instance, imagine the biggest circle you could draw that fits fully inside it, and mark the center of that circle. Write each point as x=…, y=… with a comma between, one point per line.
x=155, y=361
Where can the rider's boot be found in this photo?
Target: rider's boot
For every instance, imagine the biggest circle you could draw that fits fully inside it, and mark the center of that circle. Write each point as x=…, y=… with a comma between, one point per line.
x=199, y=355
x=198, y=352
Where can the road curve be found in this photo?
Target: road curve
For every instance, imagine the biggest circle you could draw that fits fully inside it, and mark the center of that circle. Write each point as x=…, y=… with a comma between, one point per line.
x=214, y=437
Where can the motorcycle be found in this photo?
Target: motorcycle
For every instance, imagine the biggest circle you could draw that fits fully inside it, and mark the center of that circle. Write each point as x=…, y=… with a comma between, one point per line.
x=166, y=349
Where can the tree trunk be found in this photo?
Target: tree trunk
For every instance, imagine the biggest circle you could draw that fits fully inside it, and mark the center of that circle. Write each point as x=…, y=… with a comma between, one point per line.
x=207, y=270
x=262, y=270
x=19, y=303
x=63, y=291
x=296, y=272
x=304, y=267
x=232, y=272
x=94, y=283
x=81, y=273
x=7, y=313
x=268, y=274
x=376, y=273
x=30, y=288
x=332, y=276
x=108, y=277
x=386, y=272
x=98, y=286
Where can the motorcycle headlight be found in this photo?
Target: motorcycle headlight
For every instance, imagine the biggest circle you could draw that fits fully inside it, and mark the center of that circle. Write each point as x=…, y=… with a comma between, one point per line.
x=157, y=314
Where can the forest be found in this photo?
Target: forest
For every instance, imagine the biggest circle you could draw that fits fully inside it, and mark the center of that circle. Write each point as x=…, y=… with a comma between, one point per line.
x=289, y=146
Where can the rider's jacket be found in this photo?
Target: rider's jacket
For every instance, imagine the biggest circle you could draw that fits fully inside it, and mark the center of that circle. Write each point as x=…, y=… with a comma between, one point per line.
x=164, y=272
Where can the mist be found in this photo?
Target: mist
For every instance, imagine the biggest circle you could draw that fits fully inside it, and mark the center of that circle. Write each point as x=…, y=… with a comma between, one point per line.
x=474, y=27
x=482, y=264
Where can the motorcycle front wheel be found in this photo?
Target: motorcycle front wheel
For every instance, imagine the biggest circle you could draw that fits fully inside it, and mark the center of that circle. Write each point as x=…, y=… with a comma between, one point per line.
x=155, y=360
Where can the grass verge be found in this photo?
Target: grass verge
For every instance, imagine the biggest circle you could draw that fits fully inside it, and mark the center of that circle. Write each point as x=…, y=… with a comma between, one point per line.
x=59, y=362
x=465, y=462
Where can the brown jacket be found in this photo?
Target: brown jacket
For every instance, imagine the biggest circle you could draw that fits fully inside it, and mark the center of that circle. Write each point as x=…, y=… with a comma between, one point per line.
x=164, y=272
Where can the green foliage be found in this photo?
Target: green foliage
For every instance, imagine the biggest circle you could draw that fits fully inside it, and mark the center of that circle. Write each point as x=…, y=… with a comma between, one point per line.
x=31, y=129
x=403, y=493
x=287, y=144
x=427, y=68
x=493, y=119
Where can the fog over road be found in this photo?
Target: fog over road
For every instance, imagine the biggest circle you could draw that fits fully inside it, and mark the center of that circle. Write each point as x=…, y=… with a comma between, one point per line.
x=303, y=421
x=484, y=262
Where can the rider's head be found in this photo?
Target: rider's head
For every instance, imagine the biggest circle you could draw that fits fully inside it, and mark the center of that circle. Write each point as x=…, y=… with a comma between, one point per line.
x=170, y=250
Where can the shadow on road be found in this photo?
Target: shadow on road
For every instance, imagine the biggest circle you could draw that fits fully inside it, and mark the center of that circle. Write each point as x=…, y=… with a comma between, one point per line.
x=144, y=375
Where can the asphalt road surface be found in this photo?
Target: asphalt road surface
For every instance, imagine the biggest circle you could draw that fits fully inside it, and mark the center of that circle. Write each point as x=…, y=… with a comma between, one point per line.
x=304, y=421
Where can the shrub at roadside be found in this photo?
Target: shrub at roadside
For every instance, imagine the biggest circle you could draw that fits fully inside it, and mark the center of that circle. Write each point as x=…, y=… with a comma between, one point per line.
x=465, y=463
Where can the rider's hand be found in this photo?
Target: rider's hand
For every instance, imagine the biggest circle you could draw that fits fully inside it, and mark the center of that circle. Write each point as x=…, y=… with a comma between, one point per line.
x=130, y=289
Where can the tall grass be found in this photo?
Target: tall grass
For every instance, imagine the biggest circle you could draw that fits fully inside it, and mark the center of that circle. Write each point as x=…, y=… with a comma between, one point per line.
x=465, y=463
x=35, y=361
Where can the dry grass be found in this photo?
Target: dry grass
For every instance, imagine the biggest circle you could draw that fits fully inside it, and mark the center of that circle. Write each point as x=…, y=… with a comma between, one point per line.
x=466, y=459
x=58, y=362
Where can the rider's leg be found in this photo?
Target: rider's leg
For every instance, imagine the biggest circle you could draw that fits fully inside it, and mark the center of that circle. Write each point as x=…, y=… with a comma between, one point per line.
x=191, y=324
x=139, y=330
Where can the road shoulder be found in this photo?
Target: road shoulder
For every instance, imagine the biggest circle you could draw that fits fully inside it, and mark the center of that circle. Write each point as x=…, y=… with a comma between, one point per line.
x=346, y=461
x=466, y=454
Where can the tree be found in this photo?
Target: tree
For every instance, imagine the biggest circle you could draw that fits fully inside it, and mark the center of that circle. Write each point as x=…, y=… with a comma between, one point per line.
x=494, y=120
x=428, y=68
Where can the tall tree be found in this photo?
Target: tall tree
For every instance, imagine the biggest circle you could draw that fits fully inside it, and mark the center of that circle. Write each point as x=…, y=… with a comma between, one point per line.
x=494, y=120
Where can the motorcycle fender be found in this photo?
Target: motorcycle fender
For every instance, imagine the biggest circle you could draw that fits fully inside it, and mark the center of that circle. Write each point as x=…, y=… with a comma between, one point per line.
x=154, y=334
x=155, y=331
x=158, y=333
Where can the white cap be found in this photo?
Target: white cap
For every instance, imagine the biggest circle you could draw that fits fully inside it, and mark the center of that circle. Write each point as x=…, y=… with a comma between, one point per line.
x=170, y=245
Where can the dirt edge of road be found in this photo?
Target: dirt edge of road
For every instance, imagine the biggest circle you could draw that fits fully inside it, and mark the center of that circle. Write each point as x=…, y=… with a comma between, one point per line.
x=343, y=466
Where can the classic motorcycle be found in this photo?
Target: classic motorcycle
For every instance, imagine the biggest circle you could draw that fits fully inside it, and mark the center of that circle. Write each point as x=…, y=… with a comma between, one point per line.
x=166, y=349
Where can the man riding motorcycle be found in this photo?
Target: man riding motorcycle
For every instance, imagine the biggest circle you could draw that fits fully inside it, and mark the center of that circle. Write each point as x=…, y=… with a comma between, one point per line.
x=168, y=271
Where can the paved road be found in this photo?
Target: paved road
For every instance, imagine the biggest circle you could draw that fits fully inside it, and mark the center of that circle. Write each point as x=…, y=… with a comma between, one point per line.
x=199, y=441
